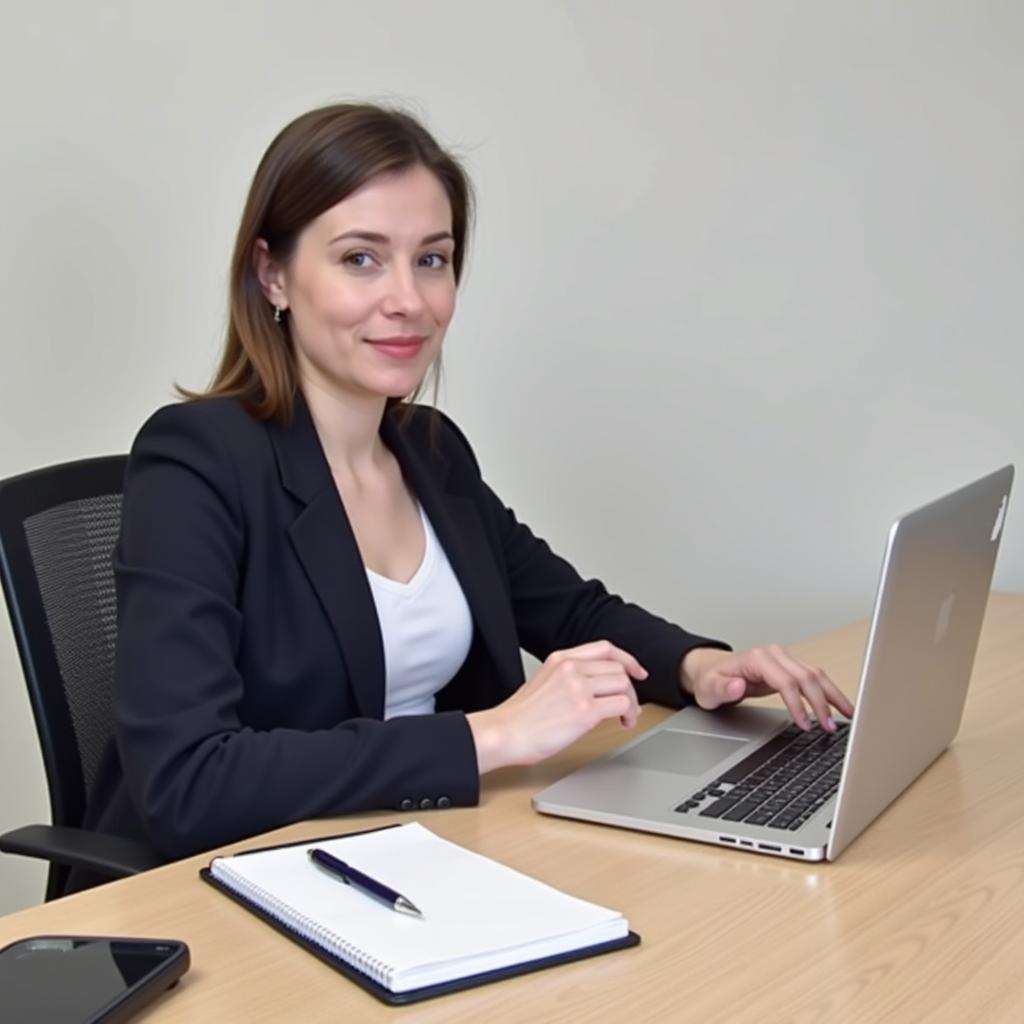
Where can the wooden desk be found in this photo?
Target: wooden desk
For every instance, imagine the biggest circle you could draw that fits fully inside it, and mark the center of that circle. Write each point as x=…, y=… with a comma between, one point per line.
x=921, y=919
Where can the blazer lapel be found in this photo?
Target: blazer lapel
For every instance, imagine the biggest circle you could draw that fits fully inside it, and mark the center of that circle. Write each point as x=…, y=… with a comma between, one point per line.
x=326, y=546
x=457, y=524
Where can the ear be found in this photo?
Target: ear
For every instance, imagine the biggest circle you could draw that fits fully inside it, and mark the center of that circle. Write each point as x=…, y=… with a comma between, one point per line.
x=270, y=275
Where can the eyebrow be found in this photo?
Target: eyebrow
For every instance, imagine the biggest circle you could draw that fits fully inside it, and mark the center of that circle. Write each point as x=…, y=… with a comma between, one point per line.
x=379, y=239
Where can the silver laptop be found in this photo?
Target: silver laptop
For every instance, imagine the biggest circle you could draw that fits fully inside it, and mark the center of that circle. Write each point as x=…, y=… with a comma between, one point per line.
x=746, y=777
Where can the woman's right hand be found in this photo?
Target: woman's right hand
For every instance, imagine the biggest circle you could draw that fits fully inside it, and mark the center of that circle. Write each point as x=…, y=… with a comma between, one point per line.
x=571, y=692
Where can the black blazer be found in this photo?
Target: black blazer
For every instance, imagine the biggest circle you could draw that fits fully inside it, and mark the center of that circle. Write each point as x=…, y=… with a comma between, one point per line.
x=249, y=686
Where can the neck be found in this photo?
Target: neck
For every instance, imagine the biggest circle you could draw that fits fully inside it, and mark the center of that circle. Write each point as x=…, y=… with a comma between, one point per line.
x=348, y=426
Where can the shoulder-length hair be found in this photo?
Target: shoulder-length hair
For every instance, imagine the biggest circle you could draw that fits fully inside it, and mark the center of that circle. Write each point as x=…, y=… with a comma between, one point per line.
x=315, y=162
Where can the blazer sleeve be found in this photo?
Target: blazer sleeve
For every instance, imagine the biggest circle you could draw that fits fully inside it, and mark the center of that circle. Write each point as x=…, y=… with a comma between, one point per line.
x=196, y=774
x=556, y=608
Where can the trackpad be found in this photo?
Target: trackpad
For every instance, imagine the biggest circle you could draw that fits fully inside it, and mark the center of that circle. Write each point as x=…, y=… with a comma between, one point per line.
x=684, y=753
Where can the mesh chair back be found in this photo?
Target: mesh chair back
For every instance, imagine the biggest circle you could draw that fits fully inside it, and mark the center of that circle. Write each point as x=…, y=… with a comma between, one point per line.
x=58, y=527
x=71, y=548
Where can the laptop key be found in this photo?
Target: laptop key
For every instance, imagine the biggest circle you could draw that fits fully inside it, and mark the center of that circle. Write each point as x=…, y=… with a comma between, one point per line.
x=741, y=810
x=719, y=807
x=754, y=761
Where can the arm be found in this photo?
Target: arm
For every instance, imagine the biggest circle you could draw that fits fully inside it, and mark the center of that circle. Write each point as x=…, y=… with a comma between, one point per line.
x=556, y=609
x=196, y=772
x=599, y=652
x=601, y=656
x=607, y=653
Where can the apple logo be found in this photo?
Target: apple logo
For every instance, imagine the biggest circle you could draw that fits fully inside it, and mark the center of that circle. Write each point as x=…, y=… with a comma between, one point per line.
x=997, y=527
x=945, y=614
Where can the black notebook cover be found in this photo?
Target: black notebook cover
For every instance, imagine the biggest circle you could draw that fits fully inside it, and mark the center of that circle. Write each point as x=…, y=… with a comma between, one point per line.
x=418, y=994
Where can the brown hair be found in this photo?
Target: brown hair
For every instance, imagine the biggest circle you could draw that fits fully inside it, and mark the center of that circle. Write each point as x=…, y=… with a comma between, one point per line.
x=315, y=162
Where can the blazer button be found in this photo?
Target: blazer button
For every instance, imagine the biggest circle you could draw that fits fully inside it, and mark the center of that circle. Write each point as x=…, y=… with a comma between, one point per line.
x=443, y=802
x=426, y=803
x=406, y=805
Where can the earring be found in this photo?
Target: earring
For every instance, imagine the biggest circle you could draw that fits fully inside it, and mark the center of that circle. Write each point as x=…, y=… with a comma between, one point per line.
x=277, y=314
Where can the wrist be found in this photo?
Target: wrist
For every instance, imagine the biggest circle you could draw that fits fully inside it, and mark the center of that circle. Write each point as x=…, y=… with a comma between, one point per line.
x=695, y=662
x=488, y=740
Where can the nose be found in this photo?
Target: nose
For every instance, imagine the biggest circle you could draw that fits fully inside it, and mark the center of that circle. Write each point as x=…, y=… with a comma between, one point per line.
x=402, y=295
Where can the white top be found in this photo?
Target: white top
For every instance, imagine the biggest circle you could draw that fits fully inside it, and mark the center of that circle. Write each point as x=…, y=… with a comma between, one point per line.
x=426, y=627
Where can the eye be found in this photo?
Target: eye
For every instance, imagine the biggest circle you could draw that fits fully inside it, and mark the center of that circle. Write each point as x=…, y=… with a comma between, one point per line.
x=358, y=260
x=434, y=261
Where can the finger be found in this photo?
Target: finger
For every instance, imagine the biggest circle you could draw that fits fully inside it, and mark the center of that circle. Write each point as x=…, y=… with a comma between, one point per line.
x=595, y=668
x=604, y=650
x=581, y=674
x=614, y=683
x=780, y=680
x=604, y=674
x=630, y=720
x=723, y=689
x=592, y=679
x=810, y=681
x=837, y=698
x=601, y=650
x=616, y=705
x=832, y=694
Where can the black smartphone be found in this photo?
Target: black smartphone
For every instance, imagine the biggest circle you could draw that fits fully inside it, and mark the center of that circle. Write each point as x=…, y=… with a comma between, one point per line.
x=71, y=979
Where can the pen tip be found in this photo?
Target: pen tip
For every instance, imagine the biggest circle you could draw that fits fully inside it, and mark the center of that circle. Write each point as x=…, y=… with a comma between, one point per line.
x=405, y=905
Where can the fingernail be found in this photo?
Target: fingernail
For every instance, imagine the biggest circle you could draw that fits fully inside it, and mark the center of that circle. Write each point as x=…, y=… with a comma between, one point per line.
x=830, y=724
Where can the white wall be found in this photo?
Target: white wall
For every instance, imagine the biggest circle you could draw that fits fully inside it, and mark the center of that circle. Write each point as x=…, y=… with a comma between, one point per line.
x=745, y=283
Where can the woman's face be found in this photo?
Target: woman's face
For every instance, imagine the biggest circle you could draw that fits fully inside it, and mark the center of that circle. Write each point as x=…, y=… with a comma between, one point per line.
x=370, y=288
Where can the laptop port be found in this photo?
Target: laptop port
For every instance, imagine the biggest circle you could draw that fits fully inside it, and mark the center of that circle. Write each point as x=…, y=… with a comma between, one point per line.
x=793, y=849
x=726, y=839
x=768, y=846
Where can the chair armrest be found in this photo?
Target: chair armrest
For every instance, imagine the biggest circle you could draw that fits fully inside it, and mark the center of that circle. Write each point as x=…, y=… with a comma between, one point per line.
x=81, y=848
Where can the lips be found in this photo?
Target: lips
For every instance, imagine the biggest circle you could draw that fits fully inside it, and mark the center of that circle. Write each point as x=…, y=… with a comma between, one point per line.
x=403, y=347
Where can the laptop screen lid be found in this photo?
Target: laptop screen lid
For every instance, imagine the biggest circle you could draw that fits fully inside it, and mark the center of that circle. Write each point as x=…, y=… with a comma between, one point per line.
x=934, y=586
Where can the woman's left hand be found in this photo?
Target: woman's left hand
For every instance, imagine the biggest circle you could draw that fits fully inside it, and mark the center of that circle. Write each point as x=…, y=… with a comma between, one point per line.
x=715, y=677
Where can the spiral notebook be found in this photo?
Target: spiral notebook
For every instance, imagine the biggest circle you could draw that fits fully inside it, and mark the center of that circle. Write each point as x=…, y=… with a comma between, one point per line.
x=481, y=919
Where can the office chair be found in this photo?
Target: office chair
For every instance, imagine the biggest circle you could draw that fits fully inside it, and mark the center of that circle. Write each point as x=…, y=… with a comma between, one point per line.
x=58, y=527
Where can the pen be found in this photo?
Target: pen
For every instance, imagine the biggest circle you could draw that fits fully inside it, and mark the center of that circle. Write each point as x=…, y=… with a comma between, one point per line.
x=364, y=883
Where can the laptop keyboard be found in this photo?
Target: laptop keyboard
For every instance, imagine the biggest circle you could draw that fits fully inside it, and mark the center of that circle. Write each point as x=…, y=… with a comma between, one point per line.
x=781, y=784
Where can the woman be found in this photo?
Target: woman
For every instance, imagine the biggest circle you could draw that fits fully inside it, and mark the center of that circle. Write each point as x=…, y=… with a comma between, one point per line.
x=321, y=604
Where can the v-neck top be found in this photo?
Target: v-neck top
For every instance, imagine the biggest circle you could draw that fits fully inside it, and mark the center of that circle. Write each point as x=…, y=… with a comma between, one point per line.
x=426, y=627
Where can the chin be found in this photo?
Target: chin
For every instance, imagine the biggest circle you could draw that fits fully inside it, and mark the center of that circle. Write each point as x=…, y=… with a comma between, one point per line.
x=397, y=386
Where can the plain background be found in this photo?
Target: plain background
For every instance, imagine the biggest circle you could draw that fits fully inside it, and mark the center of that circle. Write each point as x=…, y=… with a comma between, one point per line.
x=745, y=285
